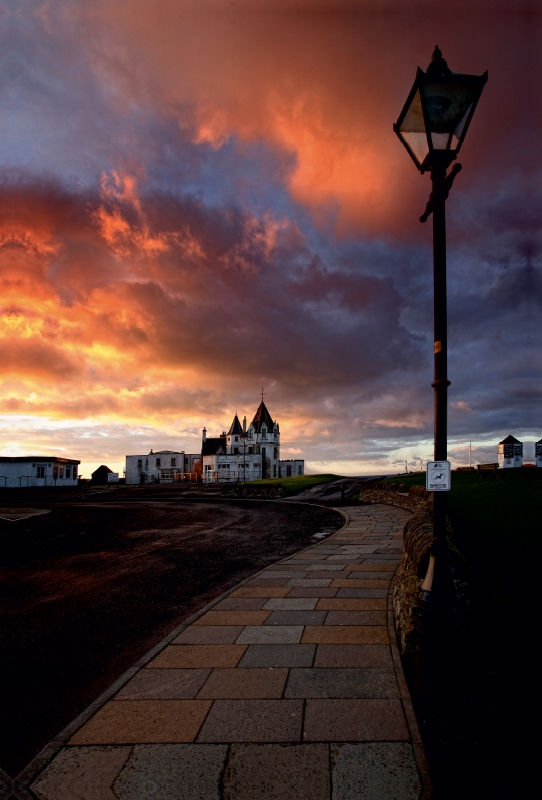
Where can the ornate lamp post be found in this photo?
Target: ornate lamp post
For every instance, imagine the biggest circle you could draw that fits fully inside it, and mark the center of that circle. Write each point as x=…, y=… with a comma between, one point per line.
x=432, y=127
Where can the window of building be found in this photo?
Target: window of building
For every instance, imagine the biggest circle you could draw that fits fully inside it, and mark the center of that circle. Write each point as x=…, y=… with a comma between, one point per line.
x=140, y=462
x=173, y=462
x=289, y=471
x=300, y=470
x=276, y=434
x=235, y=451
x=146, y=463
x=61, y=471
x=264, y=433
x=263, y=452
x=74, y=473
x=41, y=471
x=250, y=433
x=236, y=438
x=68, y=473
x=275, y=452
x=250, y=450
x=158, y=462
x=275, y=471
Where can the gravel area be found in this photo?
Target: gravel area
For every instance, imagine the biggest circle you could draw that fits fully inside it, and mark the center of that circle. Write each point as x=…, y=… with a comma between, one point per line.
x=90, y=587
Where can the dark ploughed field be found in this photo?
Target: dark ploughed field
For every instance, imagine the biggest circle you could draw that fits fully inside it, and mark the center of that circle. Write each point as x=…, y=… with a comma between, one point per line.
x=89, y=588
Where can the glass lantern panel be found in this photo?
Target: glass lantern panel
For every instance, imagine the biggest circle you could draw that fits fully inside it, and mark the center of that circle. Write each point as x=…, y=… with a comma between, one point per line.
x=440, y=141
x=417, y=143
x=412, y=129
x=413, y=121
x=447, y=106
x=456, y=136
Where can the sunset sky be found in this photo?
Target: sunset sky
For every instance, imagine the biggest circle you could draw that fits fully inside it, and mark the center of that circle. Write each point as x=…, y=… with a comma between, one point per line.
x=200, y=198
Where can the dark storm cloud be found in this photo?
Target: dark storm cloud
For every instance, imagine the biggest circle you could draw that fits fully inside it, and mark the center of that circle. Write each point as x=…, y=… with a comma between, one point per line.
x=188, y=211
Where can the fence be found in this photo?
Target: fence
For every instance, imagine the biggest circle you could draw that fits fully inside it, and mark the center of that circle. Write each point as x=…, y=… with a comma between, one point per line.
x=231, y=476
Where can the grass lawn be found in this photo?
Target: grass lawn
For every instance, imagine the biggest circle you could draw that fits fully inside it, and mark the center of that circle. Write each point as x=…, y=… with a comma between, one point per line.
x=299, y=483
x=498, y=525
x=498, y=528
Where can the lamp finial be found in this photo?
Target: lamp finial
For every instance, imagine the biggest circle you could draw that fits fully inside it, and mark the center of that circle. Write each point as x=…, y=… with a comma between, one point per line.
x=438, y=67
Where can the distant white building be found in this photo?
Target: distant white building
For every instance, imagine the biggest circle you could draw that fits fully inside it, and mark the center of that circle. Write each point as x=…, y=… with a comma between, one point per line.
x=161, y=466
x=510, y=453
x=538, y=453
x=290, y=467
x=242, y=454
x=247, y=454
x=18, y=472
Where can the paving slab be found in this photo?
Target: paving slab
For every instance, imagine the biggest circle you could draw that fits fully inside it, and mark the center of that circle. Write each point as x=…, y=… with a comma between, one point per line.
x=351, y=634
x=290, y=604
x=241, y=604
x=164, y=684
x=305, y=583
x=173, y=772
x=251, y=591
x=296, y=618
x=352, y=604
x=233, y=618
x=354, y=720
x=198, y=656
x=347, y=591
x=356, y=618
x=271, y=634
x=253, y=721
x=267, y=582
x=358, y=583
x=82, y=773
x=314, y=592
x=278, y=655
x=374, y=771
x=353, y=655
x=340, y=682
x=244, y=683
x=284, y=688
x=208, y=635
x=135, y=721
x=278, y=772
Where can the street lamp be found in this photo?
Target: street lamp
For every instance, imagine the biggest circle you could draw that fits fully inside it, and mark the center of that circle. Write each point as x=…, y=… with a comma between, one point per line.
x=244, y=437
x=432, y=127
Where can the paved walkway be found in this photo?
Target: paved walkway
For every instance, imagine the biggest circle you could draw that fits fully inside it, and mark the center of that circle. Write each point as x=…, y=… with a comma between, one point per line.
x=289, y=688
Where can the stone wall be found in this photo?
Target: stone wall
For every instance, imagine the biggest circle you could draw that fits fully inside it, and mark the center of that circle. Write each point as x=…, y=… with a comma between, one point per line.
x=257, y=490
x=395, y=494
x=417, y=537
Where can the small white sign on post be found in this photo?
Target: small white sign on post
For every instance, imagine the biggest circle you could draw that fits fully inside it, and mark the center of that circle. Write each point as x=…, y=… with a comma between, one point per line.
x=438, y=477
x=112, y=477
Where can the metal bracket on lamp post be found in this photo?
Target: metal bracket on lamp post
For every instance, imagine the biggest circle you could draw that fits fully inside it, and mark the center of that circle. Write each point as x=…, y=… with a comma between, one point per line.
x=443, y=190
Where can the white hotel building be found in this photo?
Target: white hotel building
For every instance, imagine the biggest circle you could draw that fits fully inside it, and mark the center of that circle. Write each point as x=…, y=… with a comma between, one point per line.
x=247, y=455
x=238, y=455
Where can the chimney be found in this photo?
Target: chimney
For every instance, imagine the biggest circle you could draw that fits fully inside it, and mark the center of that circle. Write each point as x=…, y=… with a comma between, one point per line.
x=244, y=424
x=204, y=434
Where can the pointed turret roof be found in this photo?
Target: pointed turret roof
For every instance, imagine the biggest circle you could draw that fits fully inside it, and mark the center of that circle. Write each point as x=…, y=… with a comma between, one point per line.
x=262, y=417
x=510, y=440
x=235, y=427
